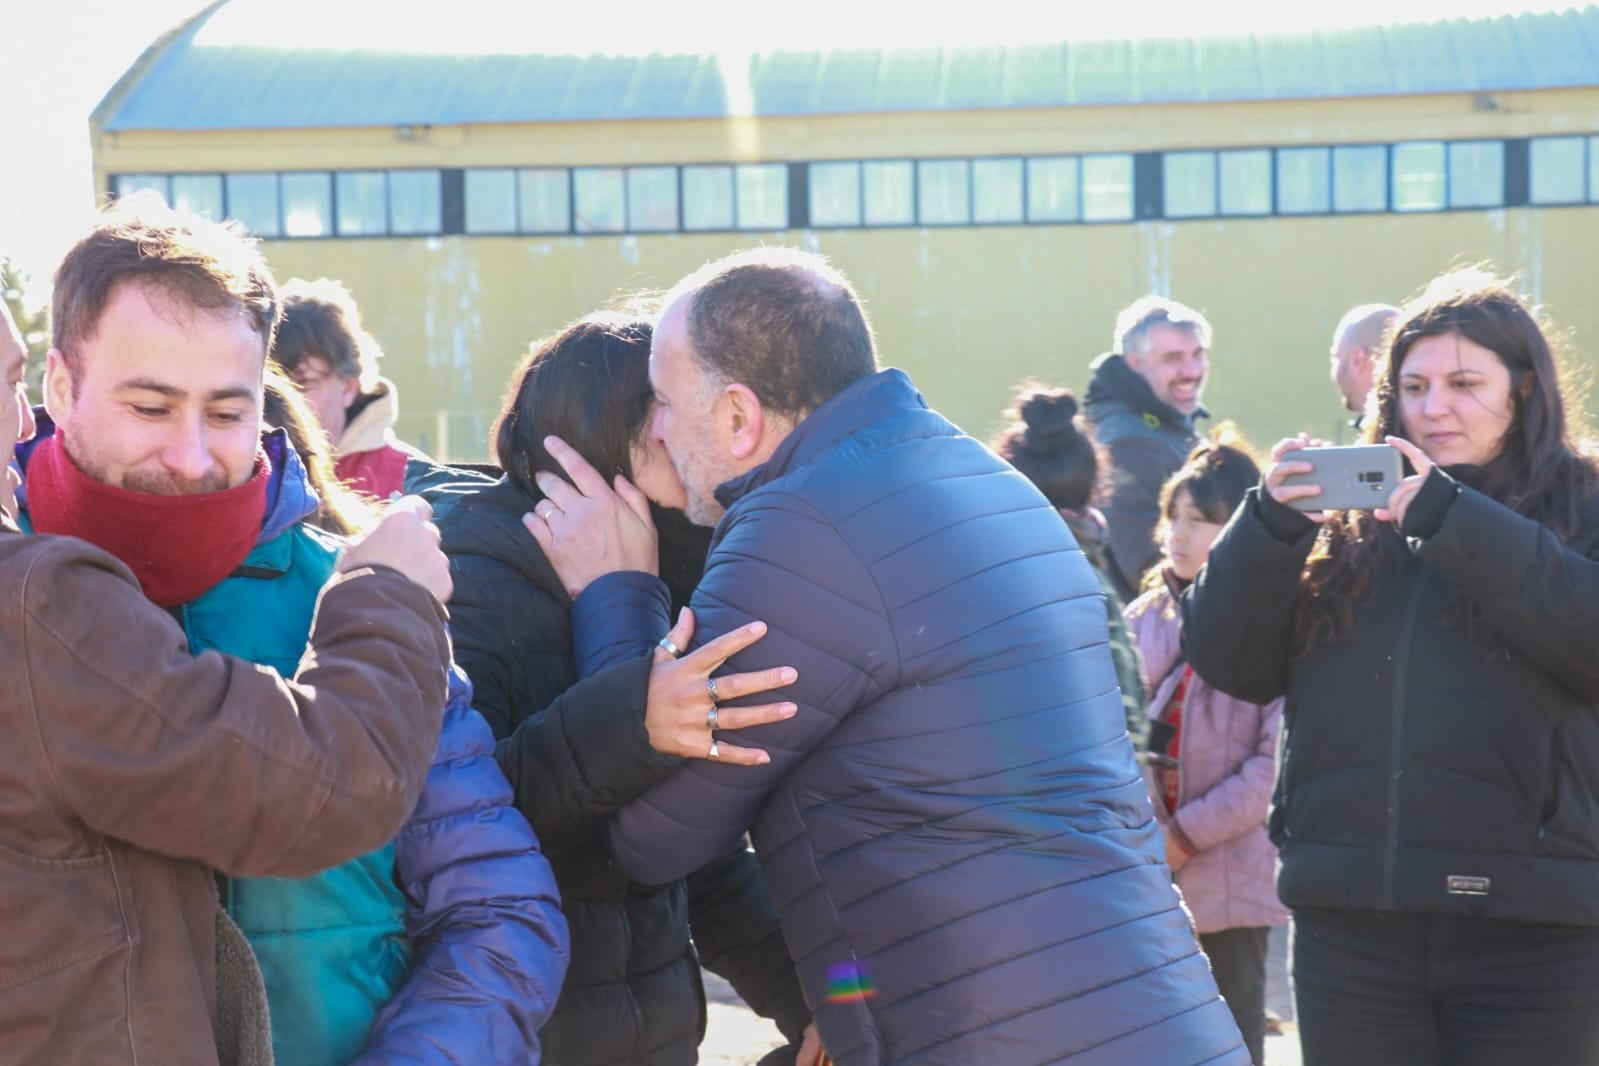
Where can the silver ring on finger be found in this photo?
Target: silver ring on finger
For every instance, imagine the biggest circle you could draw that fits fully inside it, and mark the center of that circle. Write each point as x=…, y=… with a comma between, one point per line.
x=546, y=508
x=715, y=754
x=671, y=649
x=711, y=718
x=710, y=688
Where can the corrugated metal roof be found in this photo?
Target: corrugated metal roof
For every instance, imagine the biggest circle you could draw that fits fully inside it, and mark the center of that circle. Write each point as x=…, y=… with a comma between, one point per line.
x=194, y=81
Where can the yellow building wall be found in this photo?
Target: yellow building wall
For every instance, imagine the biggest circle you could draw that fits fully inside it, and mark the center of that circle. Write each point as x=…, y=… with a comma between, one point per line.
x=968, y=311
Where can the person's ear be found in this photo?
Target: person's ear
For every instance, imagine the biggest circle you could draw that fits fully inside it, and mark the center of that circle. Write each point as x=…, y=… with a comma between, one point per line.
x=57, y=387
x=744, y=419
x=349, y=389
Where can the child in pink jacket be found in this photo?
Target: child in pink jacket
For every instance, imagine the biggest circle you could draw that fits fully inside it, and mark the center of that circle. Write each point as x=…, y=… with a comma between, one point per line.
x=1213, y=759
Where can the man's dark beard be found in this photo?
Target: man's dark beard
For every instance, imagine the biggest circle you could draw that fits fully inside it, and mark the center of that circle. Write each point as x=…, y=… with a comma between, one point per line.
x=684, y=546
x=171, y=485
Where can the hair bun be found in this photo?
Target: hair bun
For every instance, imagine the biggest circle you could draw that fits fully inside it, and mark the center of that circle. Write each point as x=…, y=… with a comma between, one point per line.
x=1049, y=417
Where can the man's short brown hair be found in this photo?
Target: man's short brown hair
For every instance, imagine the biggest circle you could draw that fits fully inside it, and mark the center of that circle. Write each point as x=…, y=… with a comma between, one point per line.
x=320, y=318
x=194, y=262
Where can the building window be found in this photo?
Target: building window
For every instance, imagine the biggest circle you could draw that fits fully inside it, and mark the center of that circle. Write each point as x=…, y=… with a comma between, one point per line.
x=943, y=192
x=1593, y=169
x=997, y=191
x=1245, y=179
x=1107, y=188
x=1418, y=176
x=307, y=204
x=1360, y=178
x=363, y=203
x=651, y=199
x=199, y=193
x=1477, y=174
x=835, y=194
x=1190, y=184
x=890, y=192
x=544, y=201
x=490, y=201
x=416, y=202
x=1557, y=165
x=762, y=196
x=707, y=198
x=1052, y=189
x=601, y=199
x=128, y=184
x=1302, y=185
x=253, y=200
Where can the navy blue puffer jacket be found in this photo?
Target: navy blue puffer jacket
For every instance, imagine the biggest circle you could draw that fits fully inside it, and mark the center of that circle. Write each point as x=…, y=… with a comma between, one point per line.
x=953, y=825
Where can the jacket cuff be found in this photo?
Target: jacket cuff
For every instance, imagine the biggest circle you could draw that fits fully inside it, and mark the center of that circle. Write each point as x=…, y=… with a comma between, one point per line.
x=1180, y=838
x=619, y=616
x=1283, y=522
x=1427, y=511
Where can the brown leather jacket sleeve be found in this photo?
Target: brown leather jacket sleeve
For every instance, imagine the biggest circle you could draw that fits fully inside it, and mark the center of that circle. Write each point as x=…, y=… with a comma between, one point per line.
x=213, y=758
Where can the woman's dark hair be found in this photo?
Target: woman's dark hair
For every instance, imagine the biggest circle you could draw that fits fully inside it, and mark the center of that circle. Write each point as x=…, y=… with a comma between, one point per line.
x=342, y=510
x=589, y=385
x=1216, y=475
x=1539, y=472
x=1046, y=442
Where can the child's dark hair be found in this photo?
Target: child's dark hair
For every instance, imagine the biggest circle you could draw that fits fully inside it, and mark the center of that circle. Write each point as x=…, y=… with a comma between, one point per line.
x=1045, y=441
x=1216, y=474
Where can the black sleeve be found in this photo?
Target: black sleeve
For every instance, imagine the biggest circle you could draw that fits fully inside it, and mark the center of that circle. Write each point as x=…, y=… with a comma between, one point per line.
x=1541, y=597
x=511, y=637
x=575, y=762
x=738, y=937
x=1238, y=614
x=1139, y=466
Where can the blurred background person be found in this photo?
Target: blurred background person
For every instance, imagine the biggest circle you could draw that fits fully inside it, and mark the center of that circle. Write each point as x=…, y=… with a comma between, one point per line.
x=322, y=345
x=1357, y=342
x=575, y=754
x=340, y=509
x=1142, y=402
x=1048, y=443
x=1435, y=810
x=1214, y=758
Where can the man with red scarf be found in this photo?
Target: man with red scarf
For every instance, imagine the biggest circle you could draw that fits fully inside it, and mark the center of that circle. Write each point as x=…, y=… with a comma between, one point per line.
x=444, y=945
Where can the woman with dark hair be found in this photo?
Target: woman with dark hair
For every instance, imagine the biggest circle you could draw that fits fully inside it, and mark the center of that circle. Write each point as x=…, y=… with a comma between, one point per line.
x=1046, y=442
x=1212, y=758
x=1437, y=809
x=633, y=993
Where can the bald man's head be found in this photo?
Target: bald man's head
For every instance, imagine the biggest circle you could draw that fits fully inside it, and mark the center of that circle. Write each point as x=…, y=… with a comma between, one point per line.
x=1357, y=342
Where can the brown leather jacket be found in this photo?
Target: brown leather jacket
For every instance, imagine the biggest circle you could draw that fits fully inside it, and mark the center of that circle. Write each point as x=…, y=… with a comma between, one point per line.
x=131, y=770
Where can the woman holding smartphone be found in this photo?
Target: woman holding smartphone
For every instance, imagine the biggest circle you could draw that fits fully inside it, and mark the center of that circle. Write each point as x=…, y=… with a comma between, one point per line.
x=1437, y=809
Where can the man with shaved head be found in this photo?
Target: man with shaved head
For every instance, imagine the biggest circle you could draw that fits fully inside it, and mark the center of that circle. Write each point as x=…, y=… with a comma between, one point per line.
x=1357, y=342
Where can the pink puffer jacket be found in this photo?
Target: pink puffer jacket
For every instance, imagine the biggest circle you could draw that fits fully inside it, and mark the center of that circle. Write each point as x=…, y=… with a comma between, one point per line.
x=1228, y=752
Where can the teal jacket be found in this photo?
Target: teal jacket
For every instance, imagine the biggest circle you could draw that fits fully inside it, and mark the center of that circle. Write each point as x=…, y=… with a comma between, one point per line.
x=447, y=946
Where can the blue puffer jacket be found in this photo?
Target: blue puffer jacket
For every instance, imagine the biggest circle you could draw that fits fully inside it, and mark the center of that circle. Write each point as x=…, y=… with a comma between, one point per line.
x=445, y=947
x=967, y=863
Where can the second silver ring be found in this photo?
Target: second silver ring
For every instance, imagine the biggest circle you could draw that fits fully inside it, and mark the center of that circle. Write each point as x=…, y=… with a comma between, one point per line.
x=711, y=718
x=710, y=689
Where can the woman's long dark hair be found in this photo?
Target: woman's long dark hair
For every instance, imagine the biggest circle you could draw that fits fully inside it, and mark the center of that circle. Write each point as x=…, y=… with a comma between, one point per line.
x=589, y=385
x=1539, y=472
x=1217, y=475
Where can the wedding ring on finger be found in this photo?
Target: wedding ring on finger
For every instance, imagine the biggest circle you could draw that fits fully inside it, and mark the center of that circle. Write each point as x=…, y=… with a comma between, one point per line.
x=712, y=717
x=715, y=754
x=671, y=649
x=710, y=688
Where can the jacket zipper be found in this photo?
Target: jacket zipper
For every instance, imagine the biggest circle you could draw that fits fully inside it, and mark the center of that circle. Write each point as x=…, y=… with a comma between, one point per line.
x=1390, y=855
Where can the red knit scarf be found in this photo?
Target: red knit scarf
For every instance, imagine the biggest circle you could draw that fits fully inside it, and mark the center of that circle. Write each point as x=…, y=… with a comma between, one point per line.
x=177, y=546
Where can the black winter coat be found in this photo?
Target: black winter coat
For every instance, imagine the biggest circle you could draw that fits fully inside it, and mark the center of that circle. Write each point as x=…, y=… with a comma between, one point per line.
x=633, y=993
x=1430, y=763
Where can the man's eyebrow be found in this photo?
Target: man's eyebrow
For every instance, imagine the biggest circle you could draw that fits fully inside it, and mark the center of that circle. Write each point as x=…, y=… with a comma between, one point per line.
x=151, y=385
x=236, y=392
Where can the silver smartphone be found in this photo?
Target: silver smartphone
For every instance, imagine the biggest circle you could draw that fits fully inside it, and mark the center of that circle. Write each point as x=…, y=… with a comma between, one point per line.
x=1355, y=478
